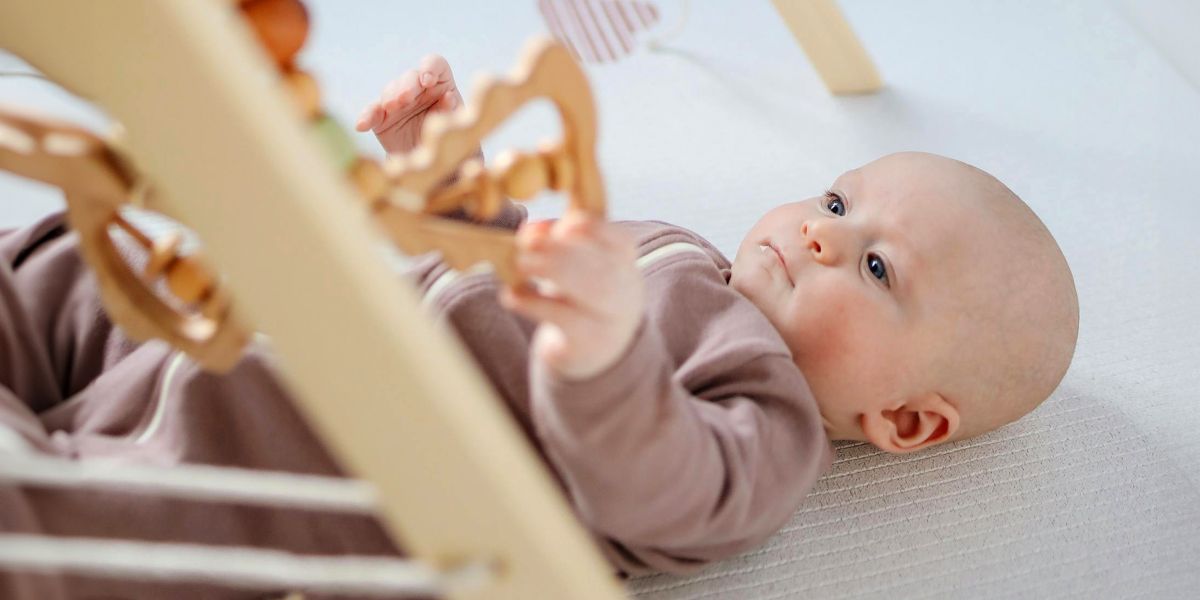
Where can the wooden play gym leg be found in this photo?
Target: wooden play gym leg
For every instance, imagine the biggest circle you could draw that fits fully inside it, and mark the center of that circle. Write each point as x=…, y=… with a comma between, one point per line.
x=831, y=45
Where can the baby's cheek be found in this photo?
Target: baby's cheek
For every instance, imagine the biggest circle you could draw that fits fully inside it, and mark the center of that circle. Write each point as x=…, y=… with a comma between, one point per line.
x=830, y=333
x=818, y=330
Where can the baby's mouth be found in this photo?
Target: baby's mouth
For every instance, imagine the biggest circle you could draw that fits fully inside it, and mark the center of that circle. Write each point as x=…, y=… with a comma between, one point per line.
x=768, y=246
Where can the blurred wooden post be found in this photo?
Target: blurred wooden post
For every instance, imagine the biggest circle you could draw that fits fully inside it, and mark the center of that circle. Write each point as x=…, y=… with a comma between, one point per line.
x=393, y=396
x=831, y=45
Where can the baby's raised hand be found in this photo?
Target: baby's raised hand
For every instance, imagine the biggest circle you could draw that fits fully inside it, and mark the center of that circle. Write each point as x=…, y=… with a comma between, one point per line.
x=589, y=297
x=397, y=116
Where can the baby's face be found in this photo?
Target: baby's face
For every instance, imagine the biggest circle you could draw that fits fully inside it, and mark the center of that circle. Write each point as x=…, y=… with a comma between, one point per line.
x=857, y=282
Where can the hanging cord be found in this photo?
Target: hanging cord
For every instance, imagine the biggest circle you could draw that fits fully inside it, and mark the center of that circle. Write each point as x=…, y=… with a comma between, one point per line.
x=660, y=42
x=247, y=567
x=29, y=74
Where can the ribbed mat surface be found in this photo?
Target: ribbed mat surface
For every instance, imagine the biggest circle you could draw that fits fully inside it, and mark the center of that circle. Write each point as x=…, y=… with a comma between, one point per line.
x=1070, y=502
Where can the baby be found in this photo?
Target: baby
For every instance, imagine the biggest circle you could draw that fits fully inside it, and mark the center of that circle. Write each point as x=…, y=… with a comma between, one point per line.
x=923, y=301
x=917, y=301
x=684, y=403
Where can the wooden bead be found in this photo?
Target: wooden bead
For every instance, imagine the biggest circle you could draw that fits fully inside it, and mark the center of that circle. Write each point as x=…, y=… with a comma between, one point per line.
x=522, y=175
x=337, y=143
x=369, y=179
x=58, y=143
x=407, y=200
x=281, y=25
x=216, y=305
x=484, y=198
x=305, y=92
x=562, y=172
x=488, y=201
x=164, y=252
x=471, y=169
x=473, y=173
x=189, y=280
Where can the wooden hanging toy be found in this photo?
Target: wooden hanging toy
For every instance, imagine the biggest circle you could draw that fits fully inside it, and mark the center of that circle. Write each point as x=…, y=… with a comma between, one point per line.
x=404, y=195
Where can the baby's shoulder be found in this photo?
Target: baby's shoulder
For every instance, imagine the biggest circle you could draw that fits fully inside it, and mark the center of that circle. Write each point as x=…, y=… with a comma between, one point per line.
x=689, y=298
x=656, y=239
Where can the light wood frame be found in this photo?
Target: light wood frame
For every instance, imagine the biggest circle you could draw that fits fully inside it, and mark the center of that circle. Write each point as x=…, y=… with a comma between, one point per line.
x=392, y=395
x=831, y=45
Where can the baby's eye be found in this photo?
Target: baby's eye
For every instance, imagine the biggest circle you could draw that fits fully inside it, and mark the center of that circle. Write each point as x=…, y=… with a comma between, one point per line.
x=877, y=268
x=835, y=204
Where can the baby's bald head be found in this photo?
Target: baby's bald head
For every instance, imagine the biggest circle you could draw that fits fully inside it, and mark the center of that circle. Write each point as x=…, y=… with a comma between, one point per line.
x=1014, y=318
x=922, y=299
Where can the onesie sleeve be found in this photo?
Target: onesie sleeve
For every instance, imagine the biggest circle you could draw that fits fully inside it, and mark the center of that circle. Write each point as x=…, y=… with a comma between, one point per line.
x=676, y=478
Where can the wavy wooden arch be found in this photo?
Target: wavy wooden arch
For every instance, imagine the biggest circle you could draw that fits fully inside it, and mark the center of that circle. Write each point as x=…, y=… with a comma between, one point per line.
x=546, y=71
x=97, y=183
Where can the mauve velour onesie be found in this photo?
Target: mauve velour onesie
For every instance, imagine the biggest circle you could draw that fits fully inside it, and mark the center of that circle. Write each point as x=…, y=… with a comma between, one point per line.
x=697, y=445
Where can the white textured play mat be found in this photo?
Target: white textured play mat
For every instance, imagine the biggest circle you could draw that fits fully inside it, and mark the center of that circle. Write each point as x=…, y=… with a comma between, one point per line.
x=1090, y=110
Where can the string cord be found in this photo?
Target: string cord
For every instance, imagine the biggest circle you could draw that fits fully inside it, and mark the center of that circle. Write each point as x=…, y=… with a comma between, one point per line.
x=660, y=42
x=29, y=74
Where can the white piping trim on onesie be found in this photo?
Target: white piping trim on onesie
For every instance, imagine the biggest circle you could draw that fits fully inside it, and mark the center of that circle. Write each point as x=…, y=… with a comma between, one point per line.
x=447, y=279
x=164, y=391
x=670, y=249
x=160, y=409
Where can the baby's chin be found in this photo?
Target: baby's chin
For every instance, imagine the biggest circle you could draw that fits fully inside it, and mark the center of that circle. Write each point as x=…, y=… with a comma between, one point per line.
x=739, y=281
x=738, y=285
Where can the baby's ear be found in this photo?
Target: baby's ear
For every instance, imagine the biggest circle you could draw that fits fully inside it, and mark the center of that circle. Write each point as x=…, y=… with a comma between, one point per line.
x=920, y=422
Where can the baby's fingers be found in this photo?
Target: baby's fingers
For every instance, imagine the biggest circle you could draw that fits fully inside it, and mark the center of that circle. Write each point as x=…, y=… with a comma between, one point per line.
x=584, y=267
x=574, y=342
x=449, y=102
x=437, y=81
x=370, y=118
x=400, y=93
x=570, y=268
x=434, y=69
x=541, y=308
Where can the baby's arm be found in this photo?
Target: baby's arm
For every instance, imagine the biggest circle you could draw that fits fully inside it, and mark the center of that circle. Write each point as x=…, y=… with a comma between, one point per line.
x=678, y=475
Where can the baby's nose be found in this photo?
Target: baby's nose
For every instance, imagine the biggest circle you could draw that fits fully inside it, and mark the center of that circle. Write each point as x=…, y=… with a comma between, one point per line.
x=814, y=235
x=811, y=243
